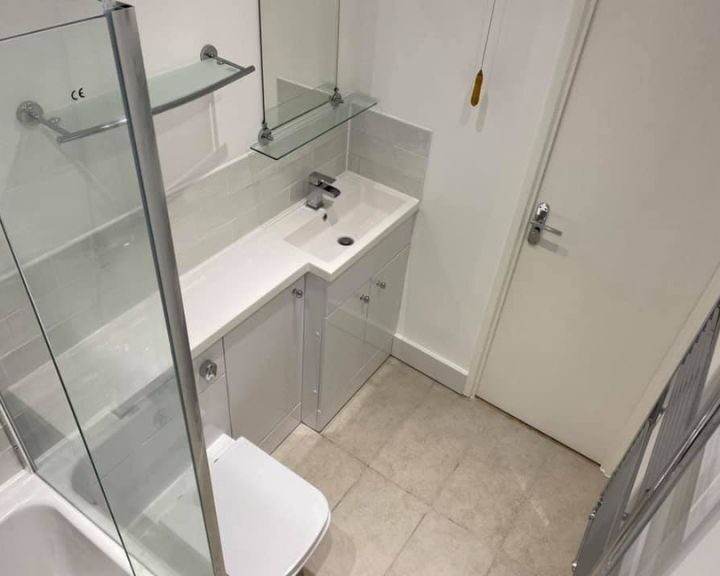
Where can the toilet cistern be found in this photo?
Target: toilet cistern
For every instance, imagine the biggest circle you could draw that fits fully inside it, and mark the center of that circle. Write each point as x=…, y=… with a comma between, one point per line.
x=321, y=188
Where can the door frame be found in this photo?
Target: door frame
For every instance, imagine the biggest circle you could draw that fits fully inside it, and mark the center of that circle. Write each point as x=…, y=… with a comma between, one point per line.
x=560, y=87
x=578, y=30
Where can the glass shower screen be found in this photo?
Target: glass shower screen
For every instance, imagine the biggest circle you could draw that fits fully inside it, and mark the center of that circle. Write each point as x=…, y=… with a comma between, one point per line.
x=92, y=366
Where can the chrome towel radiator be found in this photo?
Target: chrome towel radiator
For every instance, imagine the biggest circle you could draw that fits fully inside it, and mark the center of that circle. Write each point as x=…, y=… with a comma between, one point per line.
x=670, y=440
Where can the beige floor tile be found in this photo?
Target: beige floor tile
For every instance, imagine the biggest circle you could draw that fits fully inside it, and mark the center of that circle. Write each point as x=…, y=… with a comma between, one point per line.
x=504, y=566
x=484, y=496
x=337, y=555
x=368, y=421
x=369, y=528
x=571, y=468
x=426, y=449
x=512, y=446
x=487, y=489
x=490, y=485
x=320, y=462
x=441, y=548
x=546, y=533
x=522, y=496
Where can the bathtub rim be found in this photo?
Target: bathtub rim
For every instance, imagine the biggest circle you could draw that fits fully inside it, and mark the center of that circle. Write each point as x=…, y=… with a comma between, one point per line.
x=27, y=490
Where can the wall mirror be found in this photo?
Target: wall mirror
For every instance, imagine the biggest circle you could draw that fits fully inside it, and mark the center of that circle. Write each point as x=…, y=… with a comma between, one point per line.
x=299, y=41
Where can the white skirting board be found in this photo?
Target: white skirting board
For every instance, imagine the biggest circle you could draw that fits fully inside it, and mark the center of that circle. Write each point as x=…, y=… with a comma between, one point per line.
x=427, y=362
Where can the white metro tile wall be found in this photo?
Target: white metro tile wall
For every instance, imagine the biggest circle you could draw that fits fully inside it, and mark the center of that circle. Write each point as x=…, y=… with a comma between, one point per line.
x=20, y=344
x=76, y=290
x=223, y=206
x=390, y=151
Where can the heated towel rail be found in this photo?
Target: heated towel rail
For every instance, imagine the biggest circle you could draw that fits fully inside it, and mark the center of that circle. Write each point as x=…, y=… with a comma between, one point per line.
x=670, y=440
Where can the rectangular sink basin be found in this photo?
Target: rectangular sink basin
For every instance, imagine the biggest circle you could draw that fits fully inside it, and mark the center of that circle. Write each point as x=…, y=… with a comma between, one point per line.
x=360, y=207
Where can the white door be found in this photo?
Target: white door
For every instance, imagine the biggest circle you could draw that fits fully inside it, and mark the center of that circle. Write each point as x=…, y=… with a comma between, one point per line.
x=634, y=184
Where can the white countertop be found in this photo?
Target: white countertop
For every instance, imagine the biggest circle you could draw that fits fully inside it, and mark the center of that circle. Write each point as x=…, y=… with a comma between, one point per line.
x=232, y=285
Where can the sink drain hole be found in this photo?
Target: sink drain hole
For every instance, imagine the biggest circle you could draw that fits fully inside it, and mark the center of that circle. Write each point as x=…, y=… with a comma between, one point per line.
x=345, y=241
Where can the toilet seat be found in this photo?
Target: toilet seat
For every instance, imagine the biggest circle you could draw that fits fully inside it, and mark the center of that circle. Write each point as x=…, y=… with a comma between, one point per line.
x=270, y=519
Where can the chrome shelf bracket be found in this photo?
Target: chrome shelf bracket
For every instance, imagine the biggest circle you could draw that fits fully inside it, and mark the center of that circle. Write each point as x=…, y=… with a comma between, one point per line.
x=336, y=99
x=265, y=136
x=31, y=114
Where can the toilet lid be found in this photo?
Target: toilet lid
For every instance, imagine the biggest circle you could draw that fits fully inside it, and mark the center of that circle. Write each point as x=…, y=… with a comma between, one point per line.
x=270, y=519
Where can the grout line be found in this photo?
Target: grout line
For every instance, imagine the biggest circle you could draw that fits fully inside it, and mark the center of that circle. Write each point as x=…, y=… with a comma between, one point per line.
x=350, y=488
x=407, y=541
x=405, y=490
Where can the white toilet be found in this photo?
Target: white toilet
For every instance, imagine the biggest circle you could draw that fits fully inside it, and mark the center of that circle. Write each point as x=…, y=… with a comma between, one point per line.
x=271, y=520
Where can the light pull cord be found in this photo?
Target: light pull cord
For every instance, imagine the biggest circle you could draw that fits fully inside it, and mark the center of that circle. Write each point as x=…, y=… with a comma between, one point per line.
x=480, y=76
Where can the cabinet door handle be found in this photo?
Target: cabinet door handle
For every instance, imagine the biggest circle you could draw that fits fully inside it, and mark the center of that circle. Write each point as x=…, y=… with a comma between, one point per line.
x=298, y=293
x=380, y=284
x=365, y=298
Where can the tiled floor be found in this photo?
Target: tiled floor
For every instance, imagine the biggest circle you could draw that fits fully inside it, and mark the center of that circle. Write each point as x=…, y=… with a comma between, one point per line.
x=425, y=482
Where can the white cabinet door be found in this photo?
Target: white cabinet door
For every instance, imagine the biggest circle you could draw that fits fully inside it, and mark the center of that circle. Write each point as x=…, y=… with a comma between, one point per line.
x=386, y=290
x=344, y=353
x=263, y=358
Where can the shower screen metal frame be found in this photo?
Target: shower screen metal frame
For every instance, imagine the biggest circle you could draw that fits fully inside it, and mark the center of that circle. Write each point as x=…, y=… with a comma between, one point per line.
x=122, y=25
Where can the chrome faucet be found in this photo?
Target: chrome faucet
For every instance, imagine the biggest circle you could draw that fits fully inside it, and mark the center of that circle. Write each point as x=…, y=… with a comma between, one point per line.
x=320, y=187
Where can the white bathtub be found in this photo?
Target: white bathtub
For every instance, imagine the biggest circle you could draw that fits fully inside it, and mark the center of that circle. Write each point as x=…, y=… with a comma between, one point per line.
x=42, y=535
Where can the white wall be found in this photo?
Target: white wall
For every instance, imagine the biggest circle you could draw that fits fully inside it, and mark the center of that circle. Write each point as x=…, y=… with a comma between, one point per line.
x=216, y=129
x=22, y=16
x=702, y=558
x=420, y=57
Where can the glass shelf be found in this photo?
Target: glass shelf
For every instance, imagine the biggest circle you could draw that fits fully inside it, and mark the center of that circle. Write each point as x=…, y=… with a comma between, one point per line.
x=313, y=125
x=178, y=87
x=167, y=91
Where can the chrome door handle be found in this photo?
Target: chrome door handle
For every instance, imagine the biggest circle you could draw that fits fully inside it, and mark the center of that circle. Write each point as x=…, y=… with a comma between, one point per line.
x=538, y=224
x=546, y=228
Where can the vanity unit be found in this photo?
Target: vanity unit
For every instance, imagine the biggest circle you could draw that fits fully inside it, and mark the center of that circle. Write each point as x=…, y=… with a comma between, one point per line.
x=350, y=324
x=315, y=327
